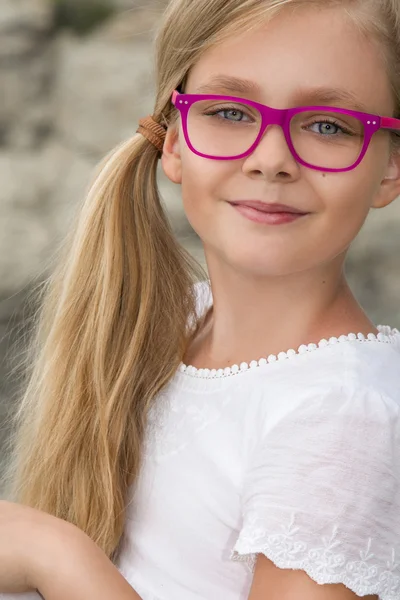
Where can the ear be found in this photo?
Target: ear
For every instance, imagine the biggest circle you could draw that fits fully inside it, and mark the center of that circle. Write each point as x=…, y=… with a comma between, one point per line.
x=171, y=156
x=390, y=186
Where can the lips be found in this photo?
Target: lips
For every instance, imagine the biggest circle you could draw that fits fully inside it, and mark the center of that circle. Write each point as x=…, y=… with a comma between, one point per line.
x=268, y=208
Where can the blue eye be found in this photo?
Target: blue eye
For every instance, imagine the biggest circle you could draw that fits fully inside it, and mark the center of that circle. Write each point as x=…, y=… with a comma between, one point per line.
x=237, y=115
x=331, y=128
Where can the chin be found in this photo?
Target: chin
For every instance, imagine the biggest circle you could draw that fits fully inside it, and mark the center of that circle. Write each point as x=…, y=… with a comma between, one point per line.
x=261, y=266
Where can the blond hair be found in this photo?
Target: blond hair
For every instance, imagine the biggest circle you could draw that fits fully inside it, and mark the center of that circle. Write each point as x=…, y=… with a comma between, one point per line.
x=112, y=325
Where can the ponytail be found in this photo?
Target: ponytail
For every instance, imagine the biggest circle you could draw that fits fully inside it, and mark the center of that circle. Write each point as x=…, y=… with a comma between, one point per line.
x=111, y=330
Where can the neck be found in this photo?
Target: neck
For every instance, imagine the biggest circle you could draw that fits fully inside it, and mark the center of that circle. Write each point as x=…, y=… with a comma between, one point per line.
x=252, y=318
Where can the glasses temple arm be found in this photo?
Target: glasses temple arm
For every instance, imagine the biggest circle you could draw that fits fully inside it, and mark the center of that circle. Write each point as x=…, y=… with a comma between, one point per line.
x=390, y=123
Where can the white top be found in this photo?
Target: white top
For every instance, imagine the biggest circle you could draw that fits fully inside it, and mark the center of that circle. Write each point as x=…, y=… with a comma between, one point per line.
x=295, y=456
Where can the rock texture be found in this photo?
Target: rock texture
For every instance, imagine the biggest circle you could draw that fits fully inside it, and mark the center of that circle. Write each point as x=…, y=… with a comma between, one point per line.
x=66, y=101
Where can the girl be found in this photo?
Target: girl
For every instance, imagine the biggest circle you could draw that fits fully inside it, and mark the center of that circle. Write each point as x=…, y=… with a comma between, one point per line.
x=236, y=436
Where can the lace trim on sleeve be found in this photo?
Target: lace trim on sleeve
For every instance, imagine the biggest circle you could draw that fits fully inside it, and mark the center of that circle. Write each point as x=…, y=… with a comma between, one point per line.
x=324, y=560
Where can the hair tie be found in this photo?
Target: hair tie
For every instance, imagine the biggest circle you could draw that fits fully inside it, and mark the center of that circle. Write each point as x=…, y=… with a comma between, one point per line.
x=153, y=131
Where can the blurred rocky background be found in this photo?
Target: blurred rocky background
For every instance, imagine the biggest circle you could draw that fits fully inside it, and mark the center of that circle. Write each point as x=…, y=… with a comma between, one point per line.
x=75, y=77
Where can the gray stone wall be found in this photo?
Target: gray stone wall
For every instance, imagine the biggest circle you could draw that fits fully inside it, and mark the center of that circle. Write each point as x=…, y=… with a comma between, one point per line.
x=66, y=100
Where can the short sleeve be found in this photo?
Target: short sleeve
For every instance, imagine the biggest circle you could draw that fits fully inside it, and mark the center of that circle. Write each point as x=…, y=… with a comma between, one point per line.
x=322, y=492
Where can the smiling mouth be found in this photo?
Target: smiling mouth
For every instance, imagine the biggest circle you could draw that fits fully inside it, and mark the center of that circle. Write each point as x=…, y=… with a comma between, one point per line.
x=268, y=217
x=268, y=208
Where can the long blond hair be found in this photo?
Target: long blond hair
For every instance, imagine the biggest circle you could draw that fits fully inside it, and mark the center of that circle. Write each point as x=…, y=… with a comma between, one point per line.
x=112, y=324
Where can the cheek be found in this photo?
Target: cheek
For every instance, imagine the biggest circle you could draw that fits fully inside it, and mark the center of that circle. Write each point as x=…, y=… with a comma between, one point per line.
x=346, y=199
x=201, y=189
x=351, y=192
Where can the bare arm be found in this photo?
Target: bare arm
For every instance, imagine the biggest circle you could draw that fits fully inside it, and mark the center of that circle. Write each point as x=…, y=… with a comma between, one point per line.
x=272, y=583
x=75, y=567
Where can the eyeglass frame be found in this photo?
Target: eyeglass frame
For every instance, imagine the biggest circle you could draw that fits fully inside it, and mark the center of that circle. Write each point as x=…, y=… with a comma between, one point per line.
x=282, y=117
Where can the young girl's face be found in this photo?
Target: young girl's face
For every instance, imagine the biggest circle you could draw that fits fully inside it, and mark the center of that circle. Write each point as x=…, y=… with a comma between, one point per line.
x=287, y=58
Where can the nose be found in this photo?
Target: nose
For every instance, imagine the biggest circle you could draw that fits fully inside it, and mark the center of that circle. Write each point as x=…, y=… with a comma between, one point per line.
x=272, y=156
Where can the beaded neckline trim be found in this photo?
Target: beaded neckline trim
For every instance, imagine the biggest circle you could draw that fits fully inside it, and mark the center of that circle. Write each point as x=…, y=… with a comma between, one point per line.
x=386, y=335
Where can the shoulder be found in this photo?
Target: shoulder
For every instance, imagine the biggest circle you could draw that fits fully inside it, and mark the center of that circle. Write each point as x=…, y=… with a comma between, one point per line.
x=375, y=364
x=330, y=375
x=354, y=418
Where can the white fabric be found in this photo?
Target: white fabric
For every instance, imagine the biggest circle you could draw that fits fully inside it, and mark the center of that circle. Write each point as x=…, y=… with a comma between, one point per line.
x=298, y=459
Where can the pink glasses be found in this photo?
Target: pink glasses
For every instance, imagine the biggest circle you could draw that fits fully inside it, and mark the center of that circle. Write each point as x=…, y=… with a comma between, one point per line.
x=319, y=137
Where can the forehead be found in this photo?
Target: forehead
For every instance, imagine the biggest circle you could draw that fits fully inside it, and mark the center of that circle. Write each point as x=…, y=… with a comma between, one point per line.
x=295, y=59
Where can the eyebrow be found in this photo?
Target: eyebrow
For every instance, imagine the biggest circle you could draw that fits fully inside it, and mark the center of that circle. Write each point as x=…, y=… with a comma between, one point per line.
x=301, y=97
x=229, y=84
